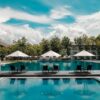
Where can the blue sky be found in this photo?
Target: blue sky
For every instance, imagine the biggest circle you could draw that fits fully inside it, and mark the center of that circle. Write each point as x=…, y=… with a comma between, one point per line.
x=36, y=19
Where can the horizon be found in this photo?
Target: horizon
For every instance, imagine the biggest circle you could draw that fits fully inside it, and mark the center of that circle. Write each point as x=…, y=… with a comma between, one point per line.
x=38, y=19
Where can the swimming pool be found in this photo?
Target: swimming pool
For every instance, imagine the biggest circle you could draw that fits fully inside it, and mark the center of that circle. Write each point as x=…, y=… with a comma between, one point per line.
x=49, y=89
x=63, y=65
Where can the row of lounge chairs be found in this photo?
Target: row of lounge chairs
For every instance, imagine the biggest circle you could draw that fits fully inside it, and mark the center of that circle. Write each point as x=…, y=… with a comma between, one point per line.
x=13, y=68
x=55, y=68
x=79, y=68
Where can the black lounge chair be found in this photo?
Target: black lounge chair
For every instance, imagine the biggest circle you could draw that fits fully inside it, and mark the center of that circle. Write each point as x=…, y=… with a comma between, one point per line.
x=79, y=68
x=89, y=67
x=22, y=68
x=55, y=68
x=45, y=68
x=12, y=68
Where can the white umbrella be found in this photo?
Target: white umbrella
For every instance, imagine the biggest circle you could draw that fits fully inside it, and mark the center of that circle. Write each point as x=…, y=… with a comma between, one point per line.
x=84, y=54
x=50, y=54
x=18, y=54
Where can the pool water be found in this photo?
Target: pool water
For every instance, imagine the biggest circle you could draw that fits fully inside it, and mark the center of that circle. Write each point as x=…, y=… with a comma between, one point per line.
x=63, y=65
x=49, y=89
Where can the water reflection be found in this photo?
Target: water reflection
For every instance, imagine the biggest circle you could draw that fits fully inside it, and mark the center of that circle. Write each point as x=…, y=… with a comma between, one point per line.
x=84, y=91
x=19, y=87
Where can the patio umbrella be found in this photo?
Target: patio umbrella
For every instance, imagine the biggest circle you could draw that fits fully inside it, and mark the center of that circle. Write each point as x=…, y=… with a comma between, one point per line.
x=50, y=54
x=84, y=53
x=18, y=54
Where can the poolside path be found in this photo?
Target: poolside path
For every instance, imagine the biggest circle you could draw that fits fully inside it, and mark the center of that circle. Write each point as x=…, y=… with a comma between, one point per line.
x=50, y=74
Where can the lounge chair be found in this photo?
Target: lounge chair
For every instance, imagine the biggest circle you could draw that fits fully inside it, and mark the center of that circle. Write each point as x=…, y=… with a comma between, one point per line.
x=55, y=68
x=12, y=68
x=79, y=68
x=45, y=68
x=89, y=67
x=22, y=68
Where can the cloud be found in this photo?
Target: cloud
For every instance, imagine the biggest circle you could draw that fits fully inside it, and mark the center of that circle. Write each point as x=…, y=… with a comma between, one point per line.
x=10, y=33
x=8, y=13
x=85, y=24
x=60, y=12
x=71, y=31
x=90, y=23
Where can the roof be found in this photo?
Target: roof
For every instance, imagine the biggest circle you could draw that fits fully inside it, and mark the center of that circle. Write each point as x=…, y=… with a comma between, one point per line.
x=50, y=54
x=83, y=54
x=17, y=54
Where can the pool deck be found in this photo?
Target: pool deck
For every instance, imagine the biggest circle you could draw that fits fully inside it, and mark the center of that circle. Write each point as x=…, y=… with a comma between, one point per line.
x=94, y=61
x=51, y=74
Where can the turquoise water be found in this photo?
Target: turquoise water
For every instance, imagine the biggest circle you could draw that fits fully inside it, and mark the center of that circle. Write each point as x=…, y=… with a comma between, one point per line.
x=63, y=65
x=49, y=89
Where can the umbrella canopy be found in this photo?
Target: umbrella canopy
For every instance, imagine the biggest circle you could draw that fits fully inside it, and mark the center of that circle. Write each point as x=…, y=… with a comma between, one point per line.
x=50, y=54
x=84, y=54
x=18, y=54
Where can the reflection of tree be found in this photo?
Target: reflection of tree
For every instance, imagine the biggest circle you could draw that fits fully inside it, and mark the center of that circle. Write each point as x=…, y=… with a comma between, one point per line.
x=84, y=91
x=49, y=90
x=20, y=88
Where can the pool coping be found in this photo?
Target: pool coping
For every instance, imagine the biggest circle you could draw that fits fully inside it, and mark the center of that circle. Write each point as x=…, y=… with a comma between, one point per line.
x=41, y=74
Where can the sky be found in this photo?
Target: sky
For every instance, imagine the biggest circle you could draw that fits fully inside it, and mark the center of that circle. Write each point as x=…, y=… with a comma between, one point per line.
x=38, y=19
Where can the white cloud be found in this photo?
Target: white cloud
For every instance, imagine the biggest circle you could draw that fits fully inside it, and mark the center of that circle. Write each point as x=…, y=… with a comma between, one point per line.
x=71, y=31
x=10, y=33
x=8, y=13
x=85, y=24
x=91, y=23
x=60, y=12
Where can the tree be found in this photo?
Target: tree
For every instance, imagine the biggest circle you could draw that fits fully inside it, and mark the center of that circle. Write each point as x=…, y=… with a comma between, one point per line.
x=21, y=44
x=98, y=40
x=45, y=45
x=66, y=43
x=55, y=44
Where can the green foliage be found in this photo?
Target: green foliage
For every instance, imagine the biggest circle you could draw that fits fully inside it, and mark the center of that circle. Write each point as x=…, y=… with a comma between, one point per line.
x=55, y=44
x=61, y=46
x=65, y=42
x=45, y=45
